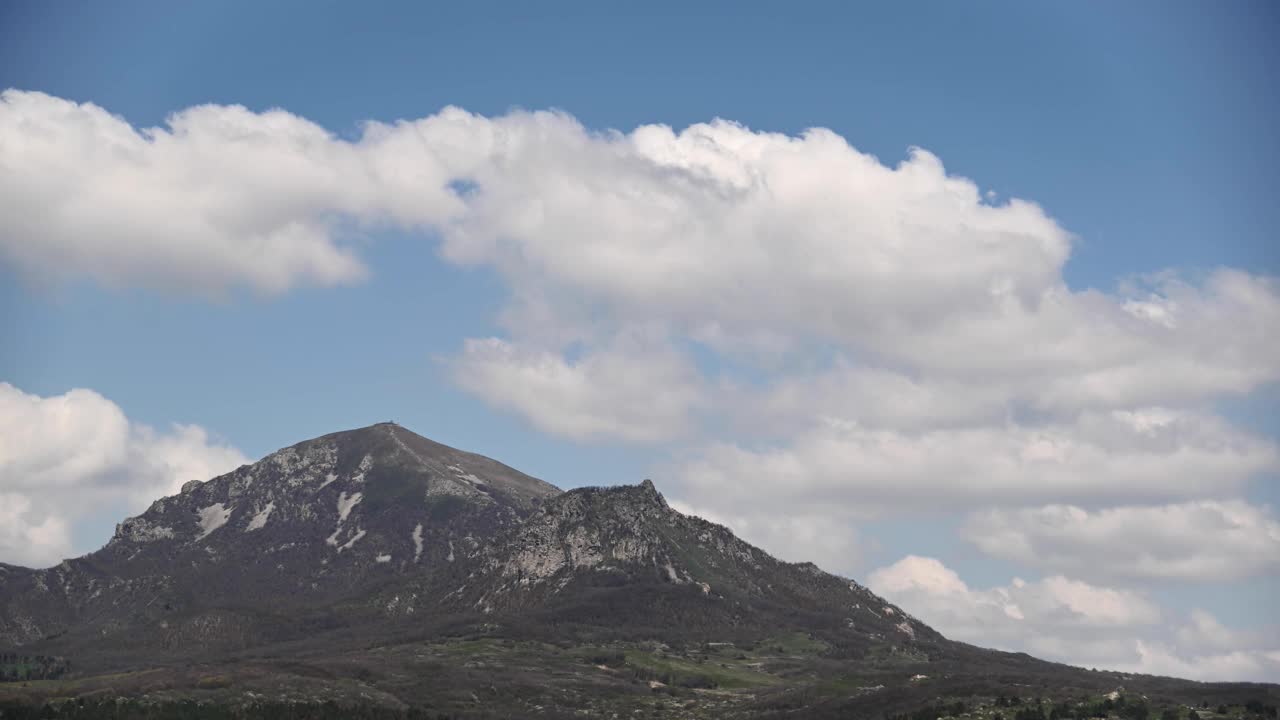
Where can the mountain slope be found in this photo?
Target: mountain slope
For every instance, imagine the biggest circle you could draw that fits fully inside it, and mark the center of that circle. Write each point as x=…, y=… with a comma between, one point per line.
x=375, y=550
x=305, y=526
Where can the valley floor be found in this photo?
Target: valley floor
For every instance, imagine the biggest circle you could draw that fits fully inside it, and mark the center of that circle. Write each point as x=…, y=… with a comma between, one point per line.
x=788, y=676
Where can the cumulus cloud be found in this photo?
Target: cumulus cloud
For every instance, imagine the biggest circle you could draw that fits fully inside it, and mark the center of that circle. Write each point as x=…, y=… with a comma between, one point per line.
x=721, y=225
x=625, y=393
x=1118, y=456
x=1056, y=600
x=753, y=246
x=829, y=540
x=1063, y=619
x=221, y=196
x=1201, y=541
x=24, y=541
x=65, y=456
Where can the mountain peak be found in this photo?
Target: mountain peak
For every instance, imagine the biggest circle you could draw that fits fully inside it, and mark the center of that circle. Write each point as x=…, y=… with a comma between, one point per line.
x=389, y=449
x=649, y=488
x=336, y=504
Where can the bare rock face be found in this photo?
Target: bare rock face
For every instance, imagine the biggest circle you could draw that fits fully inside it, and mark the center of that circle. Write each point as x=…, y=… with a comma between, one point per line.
x=590, y=528
x=379, y=528
x=336, y=502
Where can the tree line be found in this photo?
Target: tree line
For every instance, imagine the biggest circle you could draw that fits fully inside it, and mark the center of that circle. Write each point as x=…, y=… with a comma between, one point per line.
x=133, y=709
x=15, y=667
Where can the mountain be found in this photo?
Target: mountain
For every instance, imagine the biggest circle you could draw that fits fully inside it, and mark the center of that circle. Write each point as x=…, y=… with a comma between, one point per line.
x=376, y=569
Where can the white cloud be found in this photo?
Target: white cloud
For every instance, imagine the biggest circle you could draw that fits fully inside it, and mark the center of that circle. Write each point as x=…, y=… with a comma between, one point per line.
x=24, y=541
x=1235, y=666
x=1055, y=601
x=224, y=196
x=625, y=393
x=870, y=396
x=1068, y=620
x=221, y=196
x=1201, y=541
x=721, y=225
x=850, y=284
x=755, y=246
x=1203, y=630
x=66, y=456
x=1100, y=456
x=830, y=541
x=801, y=247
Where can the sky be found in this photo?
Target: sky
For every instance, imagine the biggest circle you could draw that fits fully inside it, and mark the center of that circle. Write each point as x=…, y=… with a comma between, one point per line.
x=974, y=303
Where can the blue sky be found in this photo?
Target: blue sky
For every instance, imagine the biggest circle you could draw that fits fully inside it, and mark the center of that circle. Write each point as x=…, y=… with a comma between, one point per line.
x=1145, y=131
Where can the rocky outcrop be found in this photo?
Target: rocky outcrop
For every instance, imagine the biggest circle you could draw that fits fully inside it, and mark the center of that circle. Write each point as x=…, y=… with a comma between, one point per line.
x=588, y=528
